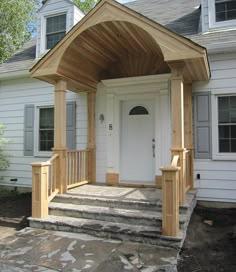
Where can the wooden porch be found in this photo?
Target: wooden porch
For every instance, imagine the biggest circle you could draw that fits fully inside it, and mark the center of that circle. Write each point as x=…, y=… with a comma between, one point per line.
x=84, y=58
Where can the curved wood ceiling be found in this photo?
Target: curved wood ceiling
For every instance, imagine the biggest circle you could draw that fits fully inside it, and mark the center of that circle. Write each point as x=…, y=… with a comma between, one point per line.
x=113, y=49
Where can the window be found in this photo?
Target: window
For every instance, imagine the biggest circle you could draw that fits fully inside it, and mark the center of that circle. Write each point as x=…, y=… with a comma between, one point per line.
x=46, y=129
x=139, y=110
x=222, y=13
x=225, y=10
x=227, y=124
x=55, y=29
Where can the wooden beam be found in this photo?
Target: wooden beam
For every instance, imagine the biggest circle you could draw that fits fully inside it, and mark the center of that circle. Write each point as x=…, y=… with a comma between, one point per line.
x=91, y=141
x=188, y=131
x=177, y=123
x=60, y=133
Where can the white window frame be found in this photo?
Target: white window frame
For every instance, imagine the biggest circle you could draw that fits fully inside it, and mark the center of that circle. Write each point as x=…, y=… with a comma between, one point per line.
x=212, y=17
x=216, y=155
x=37, y=152
x=43, y=20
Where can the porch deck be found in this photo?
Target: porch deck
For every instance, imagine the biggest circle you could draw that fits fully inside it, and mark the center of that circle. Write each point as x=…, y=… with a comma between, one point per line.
x=125, y=194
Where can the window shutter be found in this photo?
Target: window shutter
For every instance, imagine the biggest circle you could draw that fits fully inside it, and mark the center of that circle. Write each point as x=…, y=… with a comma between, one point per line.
x=71, y=125
x=202, y=125
x=29, y=130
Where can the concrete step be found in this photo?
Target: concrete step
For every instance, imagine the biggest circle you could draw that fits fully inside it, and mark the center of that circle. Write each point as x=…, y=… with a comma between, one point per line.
x=116, y=215
x=114, y=202
x=125, y=232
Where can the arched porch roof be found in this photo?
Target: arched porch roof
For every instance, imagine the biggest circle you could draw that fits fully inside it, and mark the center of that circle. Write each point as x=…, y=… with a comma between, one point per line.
x=113, y=41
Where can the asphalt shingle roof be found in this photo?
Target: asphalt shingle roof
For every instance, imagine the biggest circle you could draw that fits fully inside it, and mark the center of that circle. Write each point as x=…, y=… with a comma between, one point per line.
x=181, y=16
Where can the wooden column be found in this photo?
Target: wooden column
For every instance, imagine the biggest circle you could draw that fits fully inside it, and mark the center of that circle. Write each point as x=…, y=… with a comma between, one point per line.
x=40, y=189
x=188, y=131
x=60, y=133
x=177, y=122
x=170, y=201
x=91, y=137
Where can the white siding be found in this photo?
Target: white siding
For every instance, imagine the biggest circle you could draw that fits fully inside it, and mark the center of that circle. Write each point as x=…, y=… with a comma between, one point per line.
x=218, y=177
x=14, y=95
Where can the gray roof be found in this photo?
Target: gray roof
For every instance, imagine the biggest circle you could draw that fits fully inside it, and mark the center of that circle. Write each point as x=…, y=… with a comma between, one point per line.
x=23, y=59
x=181, y=16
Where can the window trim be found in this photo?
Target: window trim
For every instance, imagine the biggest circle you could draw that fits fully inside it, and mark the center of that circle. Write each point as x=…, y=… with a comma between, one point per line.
x=44, y=16
x=212, y=17
x=37, y=152
x=216, y=155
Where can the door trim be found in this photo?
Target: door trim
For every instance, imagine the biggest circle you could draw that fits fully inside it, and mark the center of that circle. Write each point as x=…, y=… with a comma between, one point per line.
x=118, y=91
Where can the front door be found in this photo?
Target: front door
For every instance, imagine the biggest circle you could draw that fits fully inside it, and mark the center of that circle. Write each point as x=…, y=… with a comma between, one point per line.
x=137, y=142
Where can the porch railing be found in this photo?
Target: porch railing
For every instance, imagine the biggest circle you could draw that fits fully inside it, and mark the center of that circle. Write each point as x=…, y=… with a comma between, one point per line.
x=45, y=178
x=77, y=172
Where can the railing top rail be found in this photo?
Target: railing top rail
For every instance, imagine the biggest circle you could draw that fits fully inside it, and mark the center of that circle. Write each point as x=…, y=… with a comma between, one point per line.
x=76, y=151
x=53, y=158
x=175, y=161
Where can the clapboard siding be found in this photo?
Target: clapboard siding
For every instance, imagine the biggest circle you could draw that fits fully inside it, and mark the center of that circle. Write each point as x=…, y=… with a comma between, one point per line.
x=218, y=177
x=14, y=94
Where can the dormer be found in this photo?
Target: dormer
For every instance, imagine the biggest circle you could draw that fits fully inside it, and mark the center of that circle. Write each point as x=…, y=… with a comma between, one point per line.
x=218, y=14
x=54, y=19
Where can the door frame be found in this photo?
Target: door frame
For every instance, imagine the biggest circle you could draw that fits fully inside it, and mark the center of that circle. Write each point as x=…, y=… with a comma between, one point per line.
x=138, y=88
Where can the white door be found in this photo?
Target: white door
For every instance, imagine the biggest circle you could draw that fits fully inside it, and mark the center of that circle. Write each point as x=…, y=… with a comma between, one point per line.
x=137, y=142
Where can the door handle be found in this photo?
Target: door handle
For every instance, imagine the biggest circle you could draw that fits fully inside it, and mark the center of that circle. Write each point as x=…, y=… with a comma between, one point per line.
x=153, y=150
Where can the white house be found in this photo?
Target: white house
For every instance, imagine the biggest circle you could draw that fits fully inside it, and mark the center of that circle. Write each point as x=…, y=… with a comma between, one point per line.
x=130, y=65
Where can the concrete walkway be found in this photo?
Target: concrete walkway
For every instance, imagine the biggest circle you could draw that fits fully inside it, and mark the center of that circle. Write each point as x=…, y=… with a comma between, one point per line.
x=41, y=251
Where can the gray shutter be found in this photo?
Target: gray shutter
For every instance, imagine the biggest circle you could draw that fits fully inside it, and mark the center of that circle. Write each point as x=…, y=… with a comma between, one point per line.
x=71, y=125
x=202, y=125
x=29, y=130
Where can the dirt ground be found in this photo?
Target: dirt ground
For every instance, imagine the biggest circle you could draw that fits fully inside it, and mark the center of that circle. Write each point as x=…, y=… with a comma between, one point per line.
x=210, y=245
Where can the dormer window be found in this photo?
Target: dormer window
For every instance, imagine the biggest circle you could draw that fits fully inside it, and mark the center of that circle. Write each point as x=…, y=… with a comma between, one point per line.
x=225, y=10
x=222, y=13
x=55, y=29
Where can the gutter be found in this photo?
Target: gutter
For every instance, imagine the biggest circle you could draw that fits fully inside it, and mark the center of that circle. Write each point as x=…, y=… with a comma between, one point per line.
x=14, y=74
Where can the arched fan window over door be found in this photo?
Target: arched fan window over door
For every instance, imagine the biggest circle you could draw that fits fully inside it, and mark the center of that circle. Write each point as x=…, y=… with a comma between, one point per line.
x=139, y=110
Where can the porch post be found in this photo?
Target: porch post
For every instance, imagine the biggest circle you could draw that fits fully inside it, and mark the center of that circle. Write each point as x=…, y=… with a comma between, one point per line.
x=60, y=133
x=91, y=142
x=188, y=131
x=177, y=121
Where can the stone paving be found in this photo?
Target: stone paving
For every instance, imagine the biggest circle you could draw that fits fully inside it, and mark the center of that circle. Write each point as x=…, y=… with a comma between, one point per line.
x=42, y=250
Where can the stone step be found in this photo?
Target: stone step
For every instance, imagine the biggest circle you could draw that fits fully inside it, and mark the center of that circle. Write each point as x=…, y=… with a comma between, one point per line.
x=132, y=217
x=125, y=232
x=113, y=202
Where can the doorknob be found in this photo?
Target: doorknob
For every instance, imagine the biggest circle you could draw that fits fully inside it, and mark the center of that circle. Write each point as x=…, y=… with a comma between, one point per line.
x=153, y=150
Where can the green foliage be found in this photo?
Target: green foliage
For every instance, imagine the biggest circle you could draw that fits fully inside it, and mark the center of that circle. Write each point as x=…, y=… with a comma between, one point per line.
x=4, y=156
x=16, y=22
x=85, y=5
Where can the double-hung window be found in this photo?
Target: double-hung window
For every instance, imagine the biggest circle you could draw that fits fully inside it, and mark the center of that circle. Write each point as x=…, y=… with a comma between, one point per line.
x=222, y=13
x=225, y=10
x=46, y=129
x=55, y=29
x=227, y=124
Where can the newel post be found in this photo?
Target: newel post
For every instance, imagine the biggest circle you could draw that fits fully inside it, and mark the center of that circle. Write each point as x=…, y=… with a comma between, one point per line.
x=40, y=189
x=60, y=133
x=170, y=201
x=177, y=123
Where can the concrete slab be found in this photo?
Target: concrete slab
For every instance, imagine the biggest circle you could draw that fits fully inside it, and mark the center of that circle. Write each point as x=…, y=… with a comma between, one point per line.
x=41, y=250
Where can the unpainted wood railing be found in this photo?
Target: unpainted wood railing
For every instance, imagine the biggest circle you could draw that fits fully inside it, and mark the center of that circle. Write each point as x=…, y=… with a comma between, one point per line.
x=77, y=168
x=52, y=177
x=189, y=170
x=45, y=177
x=170, y=198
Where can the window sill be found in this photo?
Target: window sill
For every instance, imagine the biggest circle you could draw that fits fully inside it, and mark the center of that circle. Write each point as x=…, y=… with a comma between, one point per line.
x=43, y=154
x=224, y=157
